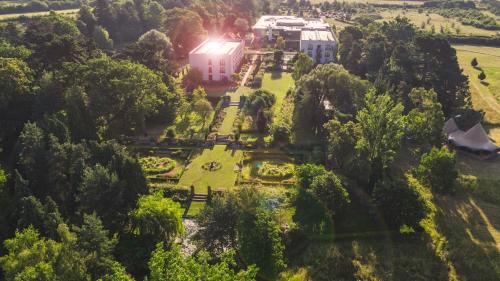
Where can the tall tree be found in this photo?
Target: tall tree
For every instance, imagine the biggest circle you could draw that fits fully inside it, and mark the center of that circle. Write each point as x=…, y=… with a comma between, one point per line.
x=184, y=27
x=381, y=123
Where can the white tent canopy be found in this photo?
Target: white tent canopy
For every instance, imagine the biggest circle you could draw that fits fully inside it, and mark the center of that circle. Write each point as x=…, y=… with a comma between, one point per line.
x=475, y=139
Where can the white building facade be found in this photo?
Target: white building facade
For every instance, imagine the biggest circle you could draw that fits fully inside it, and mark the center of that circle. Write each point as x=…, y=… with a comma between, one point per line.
x=321, y=46
x=217, y=59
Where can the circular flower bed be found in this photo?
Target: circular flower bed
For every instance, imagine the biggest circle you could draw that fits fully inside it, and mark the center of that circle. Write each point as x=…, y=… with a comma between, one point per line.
x=211, y=166
x=274, y=170
x=157, y=165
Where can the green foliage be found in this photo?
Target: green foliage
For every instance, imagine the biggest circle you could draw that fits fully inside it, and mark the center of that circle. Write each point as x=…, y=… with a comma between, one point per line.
x=259, y=100
x=437, y=170
x=116, y=95
x=425, y=122
x=171, y=265
x=157, y=217
x=7, y=50
x=156, y=165
x=481, y=76
x=275, y=170
x=307, y=172
x=192, y=79
x=302, y=66
x=381, y=123
x=260, y=243
x=30, y=257
x=101, y=37
x=474, y=62
x=327, y=84
x=400, y=204
x=342, y=140
x=185, y=28
x=330, y=191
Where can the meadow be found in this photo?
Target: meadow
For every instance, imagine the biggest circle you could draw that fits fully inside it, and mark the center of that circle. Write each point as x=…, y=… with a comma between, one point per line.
x=68, y=13
x=485, y=95
x=437, y=21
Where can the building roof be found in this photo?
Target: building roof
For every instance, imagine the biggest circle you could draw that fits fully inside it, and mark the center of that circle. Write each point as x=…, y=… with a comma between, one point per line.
x=475, y=138
x=289, y=23
x=317, y=35
x=216, y=47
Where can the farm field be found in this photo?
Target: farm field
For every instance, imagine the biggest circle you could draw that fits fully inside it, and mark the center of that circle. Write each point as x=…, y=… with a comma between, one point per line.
x=386, y=2
x=69, y=13
x=437, y=20
x=484, y=96
x=223, y=178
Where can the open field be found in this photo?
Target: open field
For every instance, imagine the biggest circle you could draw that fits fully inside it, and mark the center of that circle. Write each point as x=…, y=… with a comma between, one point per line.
x=484, y=96
x=224, y=178
x=69, y=13
x=437, y=21
x=385, y=2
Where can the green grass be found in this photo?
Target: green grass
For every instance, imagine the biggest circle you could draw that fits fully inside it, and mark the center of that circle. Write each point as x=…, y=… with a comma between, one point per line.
x=436, y=20
x=69, y=13
x=223, y=178
x=484, y=96
x=277, y=83
x=226, y=127
x=195, y=208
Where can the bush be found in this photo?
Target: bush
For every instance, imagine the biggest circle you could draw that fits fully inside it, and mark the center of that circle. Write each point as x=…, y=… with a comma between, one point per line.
x=437, y=170
x=156, y=165
x=275, y=171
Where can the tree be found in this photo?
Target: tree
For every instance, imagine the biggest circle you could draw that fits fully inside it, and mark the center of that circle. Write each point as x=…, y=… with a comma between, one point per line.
x=87, y=17
x=153, y=49
x=101, y=37
x=474, y=62
x=257, y=101
x=16, y=97
x=218, y=224
x=381, y=123
x=8, y=50
x=342, y=140
x=203, y=108
x=118, y=95
x=329, y=190
x=278, y=57
x=171, y=265
x=54, y=40
x=280, y=43
x=327, y=84
x=437, y=170
x=241, y=26
x=481, y=76
x=302, y=66
x=158, y=218
x=184, y=27
x=399, y=203
x=192, y=79
x=426, y=120
x=306, y=173
x=259, y=243
x=94, y=242
x=30, y=257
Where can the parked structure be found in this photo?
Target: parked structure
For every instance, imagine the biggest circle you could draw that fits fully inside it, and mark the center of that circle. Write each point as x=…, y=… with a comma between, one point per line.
x=475, y=140
x=313, y=37
x=217, y=59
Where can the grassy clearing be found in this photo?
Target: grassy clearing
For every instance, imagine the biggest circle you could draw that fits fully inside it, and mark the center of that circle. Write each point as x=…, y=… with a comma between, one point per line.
x=438, y=21
x=224, y=178
x=393, y=2
x=226, y=127
x=484, y=96
x=68, y=12
x=277, y=83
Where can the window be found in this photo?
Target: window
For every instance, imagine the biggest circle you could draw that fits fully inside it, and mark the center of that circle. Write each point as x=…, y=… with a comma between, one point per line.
x=209, y=61
x=327, y=54
x=310, y=53
x=222, y=62
x=310, y=47
x=222, y=69
x=210, y=77
x=209, y=69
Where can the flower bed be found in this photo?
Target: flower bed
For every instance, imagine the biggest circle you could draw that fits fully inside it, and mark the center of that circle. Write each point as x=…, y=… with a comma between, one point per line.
x=153, y=165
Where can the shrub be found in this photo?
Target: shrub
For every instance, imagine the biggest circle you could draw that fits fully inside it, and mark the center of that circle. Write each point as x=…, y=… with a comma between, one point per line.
x=156, y=165
x=474, y=62
x=437, y=170
x=481, y=76
x=274, y=170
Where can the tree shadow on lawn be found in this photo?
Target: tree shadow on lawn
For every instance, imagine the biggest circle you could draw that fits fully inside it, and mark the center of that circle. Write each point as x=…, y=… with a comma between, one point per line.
x=359, y=246
x=275, y=75
x=468, y=223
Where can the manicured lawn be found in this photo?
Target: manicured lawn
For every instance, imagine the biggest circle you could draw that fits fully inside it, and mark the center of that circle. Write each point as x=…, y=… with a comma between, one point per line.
x=225, y=177
x=195, y=208
x=278, y=83
x=226, y=127
x=484, y=96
